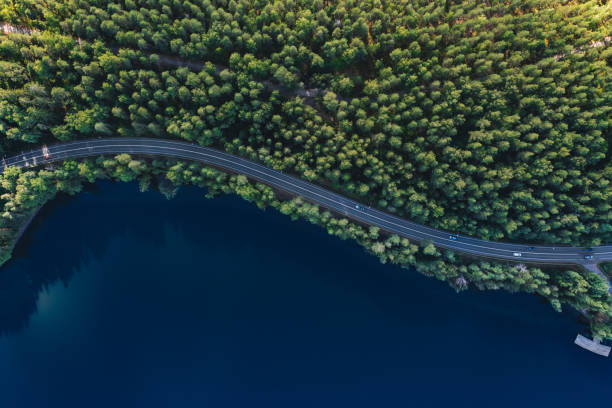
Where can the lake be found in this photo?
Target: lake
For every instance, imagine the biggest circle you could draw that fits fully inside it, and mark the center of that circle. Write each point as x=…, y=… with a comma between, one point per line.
x=121, y=298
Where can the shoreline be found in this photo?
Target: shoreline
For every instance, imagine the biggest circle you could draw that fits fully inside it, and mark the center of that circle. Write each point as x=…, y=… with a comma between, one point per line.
x=24, y=227
x=313, y=193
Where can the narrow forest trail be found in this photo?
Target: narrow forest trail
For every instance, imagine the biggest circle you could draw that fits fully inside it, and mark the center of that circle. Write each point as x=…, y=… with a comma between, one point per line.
x=307, y=93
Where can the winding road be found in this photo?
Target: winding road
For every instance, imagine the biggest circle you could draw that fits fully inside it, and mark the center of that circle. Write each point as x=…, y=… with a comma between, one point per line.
x=328, y=199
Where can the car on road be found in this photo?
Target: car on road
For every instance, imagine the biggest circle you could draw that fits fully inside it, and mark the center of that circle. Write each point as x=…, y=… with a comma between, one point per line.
x=453, y=237
x=588, y=257
x=588, y=249
x=530, y=248
x=358, y=207
x=517, y=254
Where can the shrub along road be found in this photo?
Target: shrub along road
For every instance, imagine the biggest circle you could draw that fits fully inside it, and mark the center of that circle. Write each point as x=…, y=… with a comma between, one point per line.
x=588, y=258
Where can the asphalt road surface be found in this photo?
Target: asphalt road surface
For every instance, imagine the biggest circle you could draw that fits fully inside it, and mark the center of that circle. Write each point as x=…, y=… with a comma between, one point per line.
x=350, y=208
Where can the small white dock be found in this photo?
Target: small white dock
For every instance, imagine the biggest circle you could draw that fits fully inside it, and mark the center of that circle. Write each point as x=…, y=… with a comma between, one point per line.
x=592, y=345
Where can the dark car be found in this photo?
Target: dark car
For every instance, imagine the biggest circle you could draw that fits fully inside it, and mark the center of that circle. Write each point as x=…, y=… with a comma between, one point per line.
x=588, y=249
x=530, y=248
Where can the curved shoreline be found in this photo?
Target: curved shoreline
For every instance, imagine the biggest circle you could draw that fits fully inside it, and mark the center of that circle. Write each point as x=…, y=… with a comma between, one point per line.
x=313, y=193
x=25, y=225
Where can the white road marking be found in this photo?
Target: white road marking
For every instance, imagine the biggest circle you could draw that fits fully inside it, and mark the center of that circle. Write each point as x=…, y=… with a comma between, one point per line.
x=269, y=174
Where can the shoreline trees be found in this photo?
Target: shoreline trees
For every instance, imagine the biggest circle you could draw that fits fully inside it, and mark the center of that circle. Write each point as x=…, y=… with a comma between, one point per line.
x=460, y=115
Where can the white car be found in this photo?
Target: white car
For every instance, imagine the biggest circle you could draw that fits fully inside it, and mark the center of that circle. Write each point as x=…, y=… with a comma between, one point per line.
x=517, y=254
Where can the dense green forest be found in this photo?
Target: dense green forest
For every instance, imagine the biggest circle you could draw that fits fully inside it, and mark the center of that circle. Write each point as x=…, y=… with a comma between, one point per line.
x=490, y=119
x=470, y=116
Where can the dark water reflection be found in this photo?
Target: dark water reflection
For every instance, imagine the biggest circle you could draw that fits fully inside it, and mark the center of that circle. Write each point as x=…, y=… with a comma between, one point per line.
x=126, y=299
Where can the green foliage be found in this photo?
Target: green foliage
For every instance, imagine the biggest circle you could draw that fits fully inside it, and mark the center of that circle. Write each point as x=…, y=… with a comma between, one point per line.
x=489, y=119
x=23, y=191
x=606, y=267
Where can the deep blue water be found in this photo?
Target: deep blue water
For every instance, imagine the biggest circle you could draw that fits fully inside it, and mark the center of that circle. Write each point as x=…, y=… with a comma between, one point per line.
x=121, y=298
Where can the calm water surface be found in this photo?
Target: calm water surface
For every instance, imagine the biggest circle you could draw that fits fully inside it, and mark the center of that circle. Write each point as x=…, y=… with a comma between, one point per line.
x=120, y=298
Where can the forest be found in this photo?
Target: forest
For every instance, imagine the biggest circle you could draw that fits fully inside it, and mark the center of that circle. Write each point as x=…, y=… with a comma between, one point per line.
x=468, y=116
x=490, y=119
